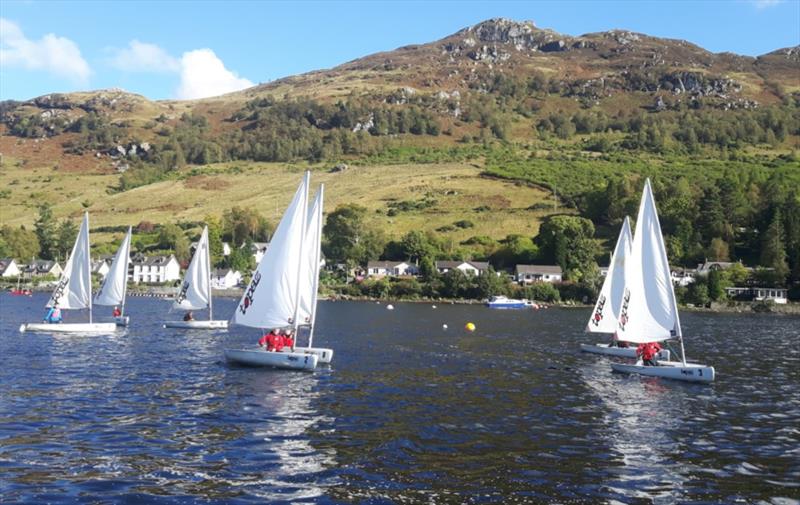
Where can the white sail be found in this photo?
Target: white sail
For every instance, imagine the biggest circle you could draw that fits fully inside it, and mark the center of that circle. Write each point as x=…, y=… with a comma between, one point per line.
x=271, y=298
x=606, y=310
x=649, y=311
x=112, y=292
x=74, y=289
x=195, y=291
x=309, y=277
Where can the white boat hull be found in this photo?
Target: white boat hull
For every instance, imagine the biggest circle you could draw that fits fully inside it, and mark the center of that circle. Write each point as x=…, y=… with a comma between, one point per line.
x=622, y=352
x=69, y=327
x=284, y=360
x=324, y=356
x=692, y=372
x=197, y=325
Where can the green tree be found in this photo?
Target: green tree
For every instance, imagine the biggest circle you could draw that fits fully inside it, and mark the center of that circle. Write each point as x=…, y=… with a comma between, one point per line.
x=241, y=258
x=718, y=250
x=416, y=245
x=489, y=284
x=737, y=274
x=171, y=237
x=66, y=233
x=515, y=250
x=347, y=238
x=568, y=242
x=45, y=228
x=697, y=292
x=773, y=252
x=455, y=283
x=215, y=240
x=427, y=269
x=717, y=282
x=19, y=243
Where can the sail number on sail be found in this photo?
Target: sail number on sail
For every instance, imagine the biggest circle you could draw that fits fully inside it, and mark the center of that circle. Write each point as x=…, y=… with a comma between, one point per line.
x=247, y=301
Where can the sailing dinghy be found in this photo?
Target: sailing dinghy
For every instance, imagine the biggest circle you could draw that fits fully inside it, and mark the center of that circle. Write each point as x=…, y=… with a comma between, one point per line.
x=112, y=291
x=74, y=290
x=195, y=291
x=273, y=297
x=649, y=311
x=309, y=279
x=606, y=310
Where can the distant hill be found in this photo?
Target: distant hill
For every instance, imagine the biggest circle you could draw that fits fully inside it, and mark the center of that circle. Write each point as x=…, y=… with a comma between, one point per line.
x=510, y=107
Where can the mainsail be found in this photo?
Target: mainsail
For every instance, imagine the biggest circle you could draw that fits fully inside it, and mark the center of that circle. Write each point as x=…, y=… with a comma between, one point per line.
x=310, y=261
x=271, y=298
x=74, y=289
x=649, y=311
x=195, y=291
x=112, y=292
x=606, y=310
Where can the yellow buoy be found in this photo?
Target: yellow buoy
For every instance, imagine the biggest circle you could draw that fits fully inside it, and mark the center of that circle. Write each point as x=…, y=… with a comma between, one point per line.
x=470, y=327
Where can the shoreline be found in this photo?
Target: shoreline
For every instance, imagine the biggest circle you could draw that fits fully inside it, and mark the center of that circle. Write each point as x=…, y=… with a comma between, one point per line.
x=715, y=307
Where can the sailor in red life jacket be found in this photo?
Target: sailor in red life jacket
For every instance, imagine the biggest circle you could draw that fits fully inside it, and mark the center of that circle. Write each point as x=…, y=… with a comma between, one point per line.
x=116, y=312
x=272, y=341
x=275, y=341
x=648, y=352
x=288, y=339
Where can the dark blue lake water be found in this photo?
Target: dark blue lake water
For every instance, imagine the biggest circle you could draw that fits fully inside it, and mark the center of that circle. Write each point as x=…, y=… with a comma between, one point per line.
x=407, y=413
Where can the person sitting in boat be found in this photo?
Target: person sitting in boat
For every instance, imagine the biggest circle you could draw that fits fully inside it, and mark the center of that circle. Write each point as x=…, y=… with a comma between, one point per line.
x=53, y=315
x=288, y=339
x=188, y=316
x=116, y=312
x=273, y=341
x=647, y=352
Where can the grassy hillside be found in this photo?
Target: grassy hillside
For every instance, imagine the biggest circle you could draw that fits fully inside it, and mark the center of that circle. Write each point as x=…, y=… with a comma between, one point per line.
x=423, y=196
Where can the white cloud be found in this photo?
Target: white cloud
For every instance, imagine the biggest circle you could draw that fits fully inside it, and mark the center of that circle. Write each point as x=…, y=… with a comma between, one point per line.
x=203, y=75
x=144, y=57
x=763, y=4
x=57, y=55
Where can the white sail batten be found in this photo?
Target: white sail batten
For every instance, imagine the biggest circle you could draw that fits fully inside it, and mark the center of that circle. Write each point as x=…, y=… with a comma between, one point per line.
x=112, y=292
x=609, y=302
x=271, y=297
x=74, y=289
x=649, y=310
x=195, y=291
x=309, y=281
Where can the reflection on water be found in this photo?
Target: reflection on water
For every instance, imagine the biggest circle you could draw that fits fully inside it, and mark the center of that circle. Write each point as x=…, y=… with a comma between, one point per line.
x=408, y=412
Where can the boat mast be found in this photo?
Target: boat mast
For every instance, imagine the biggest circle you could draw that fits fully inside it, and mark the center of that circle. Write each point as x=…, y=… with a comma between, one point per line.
x=316, y=268
x=210, y=288
x=127, y=264
x=303, y=222
x=88, y=266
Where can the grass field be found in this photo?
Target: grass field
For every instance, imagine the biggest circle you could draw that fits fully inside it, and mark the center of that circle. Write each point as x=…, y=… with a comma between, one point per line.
x=437, y=194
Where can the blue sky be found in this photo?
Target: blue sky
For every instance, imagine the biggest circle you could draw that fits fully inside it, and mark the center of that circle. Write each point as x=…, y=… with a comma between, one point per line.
x=191, y=49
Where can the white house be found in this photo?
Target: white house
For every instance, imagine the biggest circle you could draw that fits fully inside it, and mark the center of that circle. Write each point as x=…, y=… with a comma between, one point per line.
x=257, y=249
x=527, y=274
x=9, y=268
x=682, y=276
x=101, y=267
x=384, y=268
x=224, y=278
x=41, y=268
x=155, y=269
x=468, y=267
x=777, y=295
